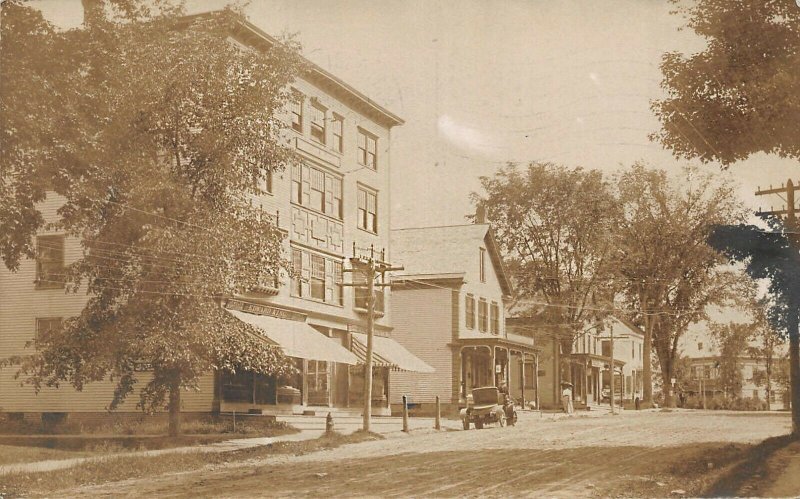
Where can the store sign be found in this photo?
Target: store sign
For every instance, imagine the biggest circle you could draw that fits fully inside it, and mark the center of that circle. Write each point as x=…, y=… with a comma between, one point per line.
x=257, y=308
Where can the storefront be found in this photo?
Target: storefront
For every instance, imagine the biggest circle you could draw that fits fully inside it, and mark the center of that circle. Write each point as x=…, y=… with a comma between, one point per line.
x=329, y=362
x=497, y=361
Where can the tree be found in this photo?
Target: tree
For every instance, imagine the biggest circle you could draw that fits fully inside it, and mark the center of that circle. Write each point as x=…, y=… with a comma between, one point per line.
x=668, y=272
x=158, y=131
x=733, y=339
x=766, y=346
x=771, y=254
x=736, y=98
x=553, y=225
x=739, y=95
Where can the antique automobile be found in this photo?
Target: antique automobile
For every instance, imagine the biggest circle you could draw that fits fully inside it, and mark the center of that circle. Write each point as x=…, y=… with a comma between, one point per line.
x=488, y=405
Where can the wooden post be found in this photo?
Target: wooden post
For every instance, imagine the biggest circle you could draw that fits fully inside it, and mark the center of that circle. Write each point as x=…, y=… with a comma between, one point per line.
x=405, y=414
x=613, y=394
x=438, y=421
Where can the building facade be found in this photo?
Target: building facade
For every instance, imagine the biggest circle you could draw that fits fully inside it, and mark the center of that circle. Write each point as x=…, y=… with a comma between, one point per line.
x=332, y=206
x=448, y=308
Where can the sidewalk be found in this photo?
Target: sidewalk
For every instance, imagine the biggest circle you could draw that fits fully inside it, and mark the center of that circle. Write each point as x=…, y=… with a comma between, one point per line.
x=385, y=426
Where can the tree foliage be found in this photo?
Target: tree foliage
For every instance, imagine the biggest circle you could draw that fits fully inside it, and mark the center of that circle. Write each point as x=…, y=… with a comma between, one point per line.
x=739, y=95
x=553, y=224
x=157, y=131
x=668, y=274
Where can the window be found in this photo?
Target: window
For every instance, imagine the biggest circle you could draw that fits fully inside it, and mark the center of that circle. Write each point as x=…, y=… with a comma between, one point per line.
x=317, y=277
x=367, y=149
x=46, y=326
x=606, y=346
x=317, y=382
x=268, y=181
x=367, y=210
x=483, y=312
x=700, y=346
x=633, y=350
x=318, y=122
x=297, y=112
x=495, y=318
x=337, y=128
x=706, y=372
x=755, y=394
x=483, y=264
x=317, y=190
x=50, y=261
x=262, y=181
x=470, y=311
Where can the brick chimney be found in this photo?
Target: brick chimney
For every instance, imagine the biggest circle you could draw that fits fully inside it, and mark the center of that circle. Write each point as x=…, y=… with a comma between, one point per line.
x=480, y=214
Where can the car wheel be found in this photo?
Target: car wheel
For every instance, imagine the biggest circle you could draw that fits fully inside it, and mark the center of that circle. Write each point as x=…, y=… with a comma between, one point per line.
x=502, y=420
x=466, y=424
x=479, y=424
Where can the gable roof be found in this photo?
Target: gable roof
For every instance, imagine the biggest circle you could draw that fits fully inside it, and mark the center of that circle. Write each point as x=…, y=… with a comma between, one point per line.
x=431, y=250
x=258, y=38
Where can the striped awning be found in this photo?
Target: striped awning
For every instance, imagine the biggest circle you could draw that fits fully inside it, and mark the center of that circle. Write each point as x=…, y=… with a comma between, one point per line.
x=388, y=353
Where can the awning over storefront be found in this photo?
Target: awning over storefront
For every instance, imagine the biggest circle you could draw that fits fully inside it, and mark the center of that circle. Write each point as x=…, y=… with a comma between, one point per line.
x=298, y=339
x=388, y=353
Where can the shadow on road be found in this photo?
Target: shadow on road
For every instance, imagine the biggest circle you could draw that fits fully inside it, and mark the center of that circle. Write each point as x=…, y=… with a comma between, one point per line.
x=754, y=470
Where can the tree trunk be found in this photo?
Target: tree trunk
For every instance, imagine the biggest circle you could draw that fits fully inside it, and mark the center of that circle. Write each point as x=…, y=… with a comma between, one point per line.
x=794, y=368
x=647, y=361
x=669, y=390
x=174, y=410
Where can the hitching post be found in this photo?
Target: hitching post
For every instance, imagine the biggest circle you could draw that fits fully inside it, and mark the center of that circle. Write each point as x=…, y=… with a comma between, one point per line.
x=438, y=424
x=405, y=414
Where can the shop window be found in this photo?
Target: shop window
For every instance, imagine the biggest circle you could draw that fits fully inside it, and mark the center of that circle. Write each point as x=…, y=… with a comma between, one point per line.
x=317, y=378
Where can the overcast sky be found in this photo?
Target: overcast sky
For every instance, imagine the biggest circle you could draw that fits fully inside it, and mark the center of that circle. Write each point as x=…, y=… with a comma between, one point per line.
x=483, y=82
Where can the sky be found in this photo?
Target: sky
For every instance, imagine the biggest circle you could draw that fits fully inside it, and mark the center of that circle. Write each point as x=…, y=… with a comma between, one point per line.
x=483, y=82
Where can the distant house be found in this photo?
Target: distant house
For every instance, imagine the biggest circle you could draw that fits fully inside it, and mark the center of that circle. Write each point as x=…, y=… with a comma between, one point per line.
x=448, y=309
x=704, y=361
x=588, y=363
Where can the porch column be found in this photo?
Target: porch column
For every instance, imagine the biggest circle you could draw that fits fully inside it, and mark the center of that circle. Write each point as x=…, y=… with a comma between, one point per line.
x=522, y=370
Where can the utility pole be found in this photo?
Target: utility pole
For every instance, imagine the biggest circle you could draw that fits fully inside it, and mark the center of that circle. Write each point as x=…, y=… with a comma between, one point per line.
x=369, y=267
x=792, y=323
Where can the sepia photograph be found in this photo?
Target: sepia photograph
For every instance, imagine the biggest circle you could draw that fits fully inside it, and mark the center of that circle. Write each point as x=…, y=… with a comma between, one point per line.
x=399, y=248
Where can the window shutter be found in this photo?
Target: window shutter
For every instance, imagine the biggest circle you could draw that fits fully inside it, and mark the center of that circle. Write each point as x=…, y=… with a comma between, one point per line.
x=305, y=284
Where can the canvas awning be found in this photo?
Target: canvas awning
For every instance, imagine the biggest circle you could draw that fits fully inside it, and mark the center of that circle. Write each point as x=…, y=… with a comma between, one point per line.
x=388, y=353
x=298, y=339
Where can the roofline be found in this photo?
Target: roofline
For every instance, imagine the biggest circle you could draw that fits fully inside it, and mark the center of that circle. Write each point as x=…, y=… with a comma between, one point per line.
x=389, y=117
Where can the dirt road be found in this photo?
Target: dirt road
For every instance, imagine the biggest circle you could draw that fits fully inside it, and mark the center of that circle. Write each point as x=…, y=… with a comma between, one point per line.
x=636, y=454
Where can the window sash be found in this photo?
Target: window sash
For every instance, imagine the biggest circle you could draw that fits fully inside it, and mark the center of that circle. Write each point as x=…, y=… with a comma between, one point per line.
x=297, y=113
x=45, y=326
x=318, y=123
x=367, y=150
x=317, y=190
x=470, y=311
x=483, y=307
x=50, y=261
x=337, y=128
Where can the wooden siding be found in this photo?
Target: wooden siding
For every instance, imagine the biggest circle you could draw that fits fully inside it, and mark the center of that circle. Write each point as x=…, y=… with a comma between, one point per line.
x=422, y=324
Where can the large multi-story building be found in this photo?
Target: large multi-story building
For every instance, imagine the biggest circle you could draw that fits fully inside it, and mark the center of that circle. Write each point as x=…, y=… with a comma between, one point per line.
x=332, y=206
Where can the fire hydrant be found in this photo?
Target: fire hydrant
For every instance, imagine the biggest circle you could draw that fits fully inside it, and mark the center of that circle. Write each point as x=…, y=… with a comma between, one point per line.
x=329, y=423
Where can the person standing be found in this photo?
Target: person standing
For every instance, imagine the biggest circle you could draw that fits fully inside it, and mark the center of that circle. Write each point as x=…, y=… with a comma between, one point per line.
x=566, y=399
